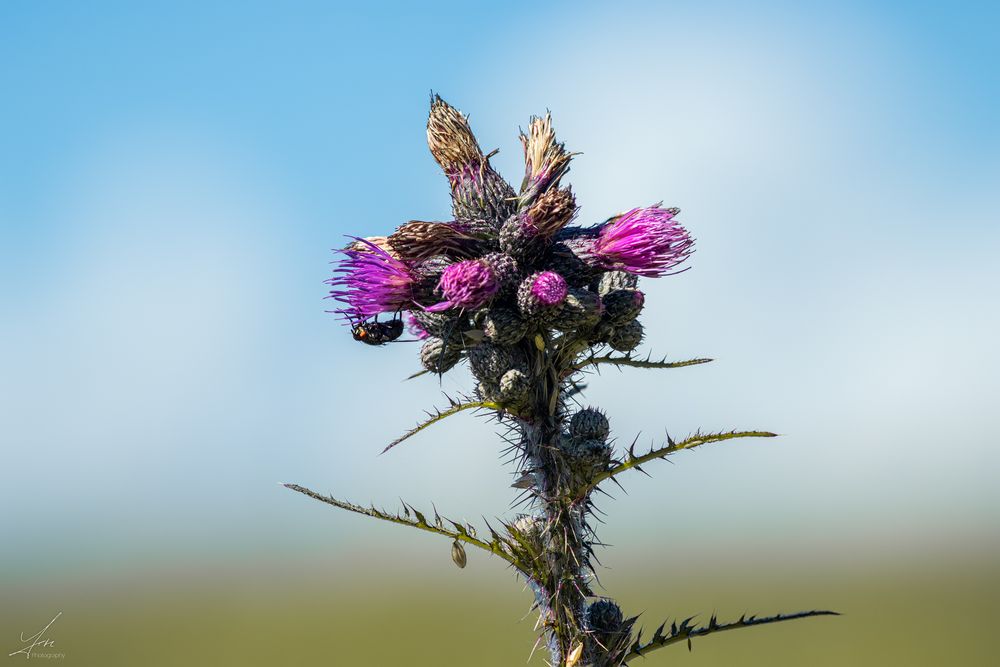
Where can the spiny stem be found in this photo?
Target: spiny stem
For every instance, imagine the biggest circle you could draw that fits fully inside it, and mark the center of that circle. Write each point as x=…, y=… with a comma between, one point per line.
x=685, y=632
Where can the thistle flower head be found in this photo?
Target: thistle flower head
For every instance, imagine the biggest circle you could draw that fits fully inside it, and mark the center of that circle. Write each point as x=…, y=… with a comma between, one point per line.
x=644, y=241
x=549, y=288
x=466, y=285
x=370, y=281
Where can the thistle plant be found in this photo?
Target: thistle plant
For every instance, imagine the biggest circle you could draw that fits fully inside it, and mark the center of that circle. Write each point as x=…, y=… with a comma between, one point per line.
x=532, y=303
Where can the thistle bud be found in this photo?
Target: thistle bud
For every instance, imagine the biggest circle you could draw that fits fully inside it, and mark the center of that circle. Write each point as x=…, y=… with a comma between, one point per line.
x=589, y=424
x=482, y=195
x=586, y=457
x=514, y=386
x=604, y=617
x=622, y=306
x=615, y=280
x=541, y=295
x=487, y=391
x=626, y=337
x=582, y=308
x=601, y=333
x=567, y=259
x=503, y=326
x=489, y=362
x=438, y=357
x=505, y=268
x=519, y=238
x=458, y=554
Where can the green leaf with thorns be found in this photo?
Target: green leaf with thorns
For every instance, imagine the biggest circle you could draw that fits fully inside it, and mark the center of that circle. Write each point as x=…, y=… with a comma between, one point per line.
x=685, y=632
x=439, y=415
x=497, y=546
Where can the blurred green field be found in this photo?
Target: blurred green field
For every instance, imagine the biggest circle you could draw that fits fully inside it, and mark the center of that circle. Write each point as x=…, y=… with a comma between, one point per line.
x=379, y=613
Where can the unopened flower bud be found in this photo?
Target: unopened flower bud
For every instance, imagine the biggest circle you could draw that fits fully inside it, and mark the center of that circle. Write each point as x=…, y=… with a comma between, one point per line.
x=586, y=457
x=505, y=268
x=514, y=386
x=626, y=337
x=438, y=357
x=487, y=391
x=489, y=362
x=582, y=308
x=503, y=326
x=519, y=238
x=615, y=280
x=601, y=333
x=589, y=424
x=622, y=306
x=604, y=617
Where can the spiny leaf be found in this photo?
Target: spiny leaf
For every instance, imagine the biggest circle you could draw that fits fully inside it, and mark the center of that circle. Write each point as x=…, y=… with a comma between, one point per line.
x=628, y=360
x=497, y=547
x=687, y=632
x=438, y=415
x=696, y=440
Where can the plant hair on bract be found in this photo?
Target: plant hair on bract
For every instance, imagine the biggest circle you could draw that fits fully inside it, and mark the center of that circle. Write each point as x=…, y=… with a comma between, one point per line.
x=532, y=303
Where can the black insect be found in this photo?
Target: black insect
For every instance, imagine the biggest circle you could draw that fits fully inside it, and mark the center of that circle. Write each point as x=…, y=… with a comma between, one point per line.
x=378, y=333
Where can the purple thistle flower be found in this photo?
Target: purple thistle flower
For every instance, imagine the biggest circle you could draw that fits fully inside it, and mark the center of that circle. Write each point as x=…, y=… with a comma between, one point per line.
x=467, y=284
x=371, y=281
x=644, y=241
x=549, y=288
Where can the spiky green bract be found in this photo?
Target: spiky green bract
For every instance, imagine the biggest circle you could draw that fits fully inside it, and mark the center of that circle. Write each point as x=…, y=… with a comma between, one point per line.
x=685, y=632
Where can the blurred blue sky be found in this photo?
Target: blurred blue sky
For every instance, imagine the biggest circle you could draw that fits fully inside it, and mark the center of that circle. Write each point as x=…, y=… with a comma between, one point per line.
x=173, y=176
